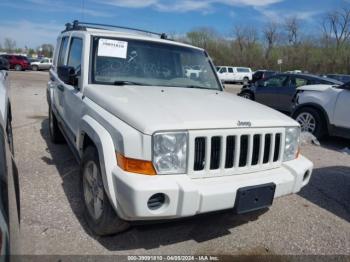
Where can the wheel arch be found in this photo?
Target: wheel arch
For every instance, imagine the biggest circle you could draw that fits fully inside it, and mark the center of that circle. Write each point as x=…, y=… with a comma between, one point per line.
x=93, y=133
x=317, y=107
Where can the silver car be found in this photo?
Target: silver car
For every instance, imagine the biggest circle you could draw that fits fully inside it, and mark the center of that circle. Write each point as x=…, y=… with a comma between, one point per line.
x=44, y=64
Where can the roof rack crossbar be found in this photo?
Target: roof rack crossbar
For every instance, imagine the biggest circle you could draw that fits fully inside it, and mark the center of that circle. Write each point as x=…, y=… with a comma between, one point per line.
x=80, y=25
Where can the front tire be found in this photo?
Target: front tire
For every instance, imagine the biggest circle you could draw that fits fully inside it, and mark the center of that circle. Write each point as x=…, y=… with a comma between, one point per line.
x=311, y=121
x=35, y=68
x=18, y=67
x=98, y=212
x=245, y=81
x=247, y=95
x=56, y=135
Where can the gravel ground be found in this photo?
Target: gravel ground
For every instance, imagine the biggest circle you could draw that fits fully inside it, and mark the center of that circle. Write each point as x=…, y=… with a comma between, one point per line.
x=315, y=221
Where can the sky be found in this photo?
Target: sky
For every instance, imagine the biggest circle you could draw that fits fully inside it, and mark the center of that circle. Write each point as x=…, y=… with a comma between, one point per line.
x=34, y=22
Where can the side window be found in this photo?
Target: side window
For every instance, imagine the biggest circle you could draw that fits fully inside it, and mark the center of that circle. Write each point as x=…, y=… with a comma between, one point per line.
x=223, y=70
x=63, y=49
x=277, y=81
x=296, y=81
x=75, y=52
x=230, y=70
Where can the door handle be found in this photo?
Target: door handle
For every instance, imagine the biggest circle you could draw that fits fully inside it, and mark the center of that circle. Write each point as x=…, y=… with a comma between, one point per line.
x=60, y=87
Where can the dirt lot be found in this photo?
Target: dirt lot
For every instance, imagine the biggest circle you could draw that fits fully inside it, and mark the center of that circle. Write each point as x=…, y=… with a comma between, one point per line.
x=315, y=221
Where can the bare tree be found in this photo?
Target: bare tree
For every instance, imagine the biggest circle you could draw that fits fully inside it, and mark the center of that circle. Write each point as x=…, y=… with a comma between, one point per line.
x=336, y=25
x=271, y=37
x=292, y=28
x=9, y=45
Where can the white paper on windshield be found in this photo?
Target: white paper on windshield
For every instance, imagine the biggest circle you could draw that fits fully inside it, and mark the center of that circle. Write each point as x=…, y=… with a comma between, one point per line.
x=112, y=48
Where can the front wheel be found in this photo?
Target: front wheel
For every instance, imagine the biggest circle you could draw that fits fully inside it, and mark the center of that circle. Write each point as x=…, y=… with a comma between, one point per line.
x=18, y=67
x=98, y=212
x=247, y=95
x=245, y=81
x=311, y=121
x=35, y=68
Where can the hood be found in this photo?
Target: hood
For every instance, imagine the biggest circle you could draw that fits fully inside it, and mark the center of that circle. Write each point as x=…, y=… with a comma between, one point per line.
x=319, y=88
x=152, y=108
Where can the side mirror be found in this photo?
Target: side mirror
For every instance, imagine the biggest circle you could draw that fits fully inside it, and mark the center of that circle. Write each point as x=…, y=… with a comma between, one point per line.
x=68, y=75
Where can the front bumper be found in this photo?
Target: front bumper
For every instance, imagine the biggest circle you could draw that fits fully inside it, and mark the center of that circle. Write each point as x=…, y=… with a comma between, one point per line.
x=186, y=196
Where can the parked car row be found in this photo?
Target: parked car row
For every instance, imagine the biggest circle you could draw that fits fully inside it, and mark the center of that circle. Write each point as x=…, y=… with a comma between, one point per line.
x=317, y=103
x=22, y=63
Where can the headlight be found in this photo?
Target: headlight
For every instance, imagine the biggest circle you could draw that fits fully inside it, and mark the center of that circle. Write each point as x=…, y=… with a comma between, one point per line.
x=170, y=152
x=291, y=143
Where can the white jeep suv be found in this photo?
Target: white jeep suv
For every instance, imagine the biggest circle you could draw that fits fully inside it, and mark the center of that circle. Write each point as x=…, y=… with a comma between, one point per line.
x=156, y=144
x=323, y=109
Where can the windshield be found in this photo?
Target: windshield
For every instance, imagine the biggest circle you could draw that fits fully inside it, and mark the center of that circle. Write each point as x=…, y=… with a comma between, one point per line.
x=117, y=61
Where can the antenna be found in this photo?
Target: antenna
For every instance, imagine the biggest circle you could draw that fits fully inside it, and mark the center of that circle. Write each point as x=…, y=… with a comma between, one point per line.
x=83, y=9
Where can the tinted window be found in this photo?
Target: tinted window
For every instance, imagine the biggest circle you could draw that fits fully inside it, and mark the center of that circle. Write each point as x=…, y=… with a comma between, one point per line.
x=243, y=70
x=75, y=51
x=230, y=70
x=223, y=70
x=63, y=49
x=296, y=81
x=277, y=81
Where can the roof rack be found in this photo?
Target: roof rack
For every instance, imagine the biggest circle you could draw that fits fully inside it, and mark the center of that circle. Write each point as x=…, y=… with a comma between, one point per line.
x=77, y=25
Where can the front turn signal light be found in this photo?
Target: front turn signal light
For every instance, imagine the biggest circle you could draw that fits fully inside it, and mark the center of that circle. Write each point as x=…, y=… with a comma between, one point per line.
x=135, y=165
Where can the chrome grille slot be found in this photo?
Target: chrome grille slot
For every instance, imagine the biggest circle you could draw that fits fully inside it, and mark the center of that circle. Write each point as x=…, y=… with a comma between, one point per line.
x=237, y=151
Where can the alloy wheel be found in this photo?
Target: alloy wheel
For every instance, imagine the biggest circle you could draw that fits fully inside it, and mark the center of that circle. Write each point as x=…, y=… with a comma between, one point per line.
x=93, y=190
x=307, y=122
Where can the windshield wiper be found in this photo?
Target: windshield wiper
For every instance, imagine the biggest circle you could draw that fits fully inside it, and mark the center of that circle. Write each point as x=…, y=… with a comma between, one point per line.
x=129, y=83
x=199, y=87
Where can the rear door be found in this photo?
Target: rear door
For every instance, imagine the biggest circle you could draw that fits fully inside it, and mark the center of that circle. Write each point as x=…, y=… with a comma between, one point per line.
x=268, y=91
x=56, y=83
x=230, y=74
x=72, y=94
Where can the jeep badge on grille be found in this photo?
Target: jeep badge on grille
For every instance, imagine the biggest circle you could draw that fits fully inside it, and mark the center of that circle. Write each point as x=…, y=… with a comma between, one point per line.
x=244, y=123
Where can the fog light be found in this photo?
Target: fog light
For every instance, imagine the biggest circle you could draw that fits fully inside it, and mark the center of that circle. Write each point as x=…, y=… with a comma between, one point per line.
x=156, y=201
x=306, y=175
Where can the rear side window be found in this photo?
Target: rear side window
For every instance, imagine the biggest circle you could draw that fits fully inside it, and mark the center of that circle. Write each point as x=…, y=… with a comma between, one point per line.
x=230, y=70
x=63, y=49
x=75, y=51
x=243, y=70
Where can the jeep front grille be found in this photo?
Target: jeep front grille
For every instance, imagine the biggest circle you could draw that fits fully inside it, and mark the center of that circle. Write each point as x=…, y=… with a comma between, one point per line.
x=235, y=151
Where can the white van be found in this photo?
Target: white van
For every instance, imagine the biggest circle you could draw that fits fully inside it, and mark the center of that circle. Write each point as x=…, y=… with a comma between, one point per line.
x=235, y=74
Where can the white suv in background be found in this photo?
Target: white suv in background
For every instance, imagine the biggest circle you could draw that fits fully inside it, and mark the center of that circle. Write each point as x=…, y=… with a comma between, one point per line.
x=229, y=74
x=152, y=141
x=323, y=109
